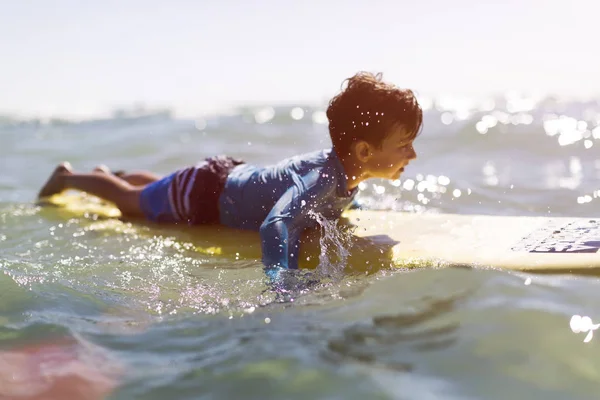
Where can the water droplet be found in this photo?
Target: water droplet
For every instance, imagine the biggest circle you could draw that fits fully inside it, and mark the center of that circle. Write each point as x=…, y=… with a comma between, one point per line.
x=297, y=113
x=409, y=184
x=575, y=323
x=443, y=180
x=447, y=118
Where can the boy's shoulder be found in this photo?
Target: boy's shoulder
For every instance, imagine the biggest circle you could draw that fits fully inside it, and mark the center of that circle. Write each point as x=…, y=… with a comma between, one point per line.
x=325, y=172
x=319, y=162
x=316, y=157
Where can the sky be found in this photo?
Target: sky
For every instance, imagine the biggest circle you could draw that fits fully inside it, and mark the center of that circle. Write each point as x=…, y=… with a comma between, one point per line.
x=74, y=57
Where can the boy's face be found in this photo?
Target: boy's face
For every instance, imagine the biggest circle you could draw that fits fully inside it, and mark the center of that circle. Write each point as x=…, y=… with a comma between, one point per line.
x=388, y=160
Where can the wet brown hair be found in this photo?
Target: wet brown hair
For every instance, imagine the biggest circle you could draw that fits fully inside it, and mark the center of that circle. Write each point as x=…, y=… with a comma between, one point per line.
x=368, y=108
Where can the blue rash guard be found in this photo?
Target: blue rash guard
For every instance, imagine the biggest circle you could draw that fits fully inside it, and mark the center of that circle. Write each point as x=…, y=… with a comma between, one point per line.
x=281, y=201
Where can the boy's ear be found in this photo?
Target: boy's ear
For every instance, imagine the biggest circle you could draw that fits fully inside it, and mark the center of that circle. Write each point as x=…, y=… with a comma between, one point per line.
x=362, y=150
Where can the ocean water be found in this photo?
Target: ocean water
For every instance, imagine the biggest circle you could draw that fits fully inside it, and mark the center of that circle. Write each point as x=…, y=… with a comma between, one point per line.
x=134, y=313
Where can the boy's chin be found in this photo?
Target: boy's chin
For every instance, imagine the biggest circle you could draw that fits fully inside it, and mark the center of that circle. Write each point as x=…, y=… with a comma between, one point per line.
x=397, y=174
x=389, y=175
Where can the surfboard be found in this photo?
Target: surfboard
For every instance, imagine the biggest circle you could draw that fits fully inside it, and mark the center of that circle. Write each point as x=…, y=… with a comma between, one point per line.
x=396, y=239
x=358, y=255
x=530, y=244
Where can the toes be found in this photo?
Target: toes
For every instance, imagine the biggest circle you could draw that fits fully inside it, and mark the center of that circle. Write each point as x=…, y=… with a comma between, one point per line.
x=55, y=182
x=64, y=167
x=102, y=169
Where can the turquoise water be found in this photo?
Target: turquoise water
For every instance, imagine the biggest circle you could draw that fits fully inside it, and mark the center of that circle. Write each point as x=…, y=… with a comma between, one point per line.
x=138, y=314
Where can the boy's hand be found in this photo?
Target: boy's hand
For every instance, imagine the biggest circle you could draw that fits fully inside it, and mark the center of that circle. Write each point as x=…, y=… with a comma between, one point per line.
x=289, y=282
x=345, y=223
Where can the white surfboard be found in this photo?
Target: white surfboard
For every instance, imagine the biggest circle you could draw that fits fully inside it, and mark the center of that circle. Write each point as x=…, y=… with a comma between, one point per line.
x=533, y=244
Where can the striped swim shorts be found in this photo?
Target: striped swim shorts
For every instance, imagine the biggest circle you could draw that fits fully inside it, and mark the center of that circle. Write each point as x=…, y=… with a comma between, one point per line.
x=189, y=195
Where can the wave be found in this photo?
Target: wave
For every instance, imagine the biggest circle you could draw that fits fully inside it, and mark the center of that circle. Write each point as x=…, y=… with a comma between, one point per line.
x=508, y=109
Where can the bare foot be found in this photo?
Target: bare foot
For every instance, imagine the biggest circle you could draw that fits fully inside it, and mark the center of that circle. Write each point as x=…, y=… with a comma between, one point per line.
x=103, y=169
x=55, y=183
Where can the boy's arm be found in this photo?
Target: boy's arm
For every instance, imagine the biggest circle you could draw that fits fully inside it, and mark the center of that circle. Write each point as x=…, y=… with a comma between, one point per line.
x=355, y=205
x=282, y=228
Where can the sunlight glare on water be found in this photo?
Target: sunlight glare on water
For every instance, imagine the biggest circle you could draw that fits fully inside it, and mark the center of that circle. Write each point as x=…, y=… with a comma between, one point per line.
x=182, y=316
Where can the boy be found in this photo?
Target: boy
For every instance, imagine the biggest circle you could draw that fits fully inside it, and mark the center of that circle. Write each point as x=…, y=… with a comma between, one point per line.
x=372, y=125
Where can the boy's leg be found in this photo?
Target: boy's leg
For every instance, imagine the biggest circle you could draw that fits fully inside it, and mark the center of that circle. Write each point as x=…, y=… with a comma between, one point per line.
x=137, y=178
x=108, y=187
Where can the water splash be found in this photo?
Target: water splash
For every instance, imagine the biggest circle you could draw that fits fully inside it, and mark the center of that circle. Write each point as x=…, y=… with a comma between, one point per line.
x=583, y=324
x=335, y=246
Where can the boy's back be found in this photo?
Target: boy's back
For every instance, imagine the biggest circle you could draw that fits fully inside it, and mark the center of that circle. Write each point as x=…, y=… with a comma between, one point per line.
x=280, y=200
x=251, y=191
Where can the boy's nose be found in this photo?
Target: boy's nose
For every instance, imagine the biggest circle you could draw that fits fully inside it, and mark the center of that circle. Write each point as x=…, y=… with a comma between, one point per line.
x=413, y=154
